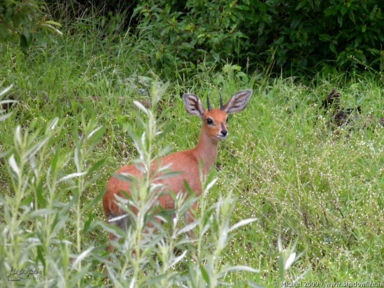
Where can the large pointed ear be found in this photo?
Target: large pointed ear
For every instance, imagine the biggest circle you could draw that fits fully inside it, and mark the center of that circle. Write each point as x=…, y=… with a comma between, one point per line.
x=193, y=105
x=238, y=102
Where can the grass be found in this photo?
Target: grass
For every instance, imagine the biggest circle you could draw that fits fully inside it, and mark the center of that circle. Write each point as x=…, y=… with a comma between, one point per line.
x=305, y=182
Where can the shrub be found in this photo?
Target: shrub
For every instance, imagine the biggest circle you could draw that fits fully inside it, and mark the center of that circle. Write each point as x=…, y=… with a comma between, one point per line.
x=25, y=21
x=45, y=220
x=184, y=36
x=299, y=34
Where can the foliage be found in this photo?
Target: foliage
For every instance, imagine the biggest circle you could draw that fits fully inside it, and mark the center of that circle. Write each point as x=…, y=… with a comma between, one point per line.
x=6, y=104
x=297, y=35
x=43, y=205
x=186, y=37
x=25, y=21
x=316, y=188
x=160, y=257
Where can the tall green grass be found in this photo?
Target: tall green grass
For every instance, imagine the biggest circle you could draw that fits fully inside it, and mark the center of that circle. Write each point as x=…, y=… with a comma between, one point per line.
x=312, y=188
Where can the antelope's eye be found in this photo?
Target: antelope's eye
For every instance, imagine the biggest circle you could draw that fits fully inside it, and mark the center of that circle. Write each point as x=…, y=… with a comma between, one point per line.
x=209, y=121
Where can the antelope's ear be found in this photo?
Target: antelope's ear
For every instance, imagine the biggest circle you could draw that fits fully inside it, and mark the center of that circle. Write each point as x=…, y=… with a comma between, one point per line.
x=238, y=102
x=193, y=105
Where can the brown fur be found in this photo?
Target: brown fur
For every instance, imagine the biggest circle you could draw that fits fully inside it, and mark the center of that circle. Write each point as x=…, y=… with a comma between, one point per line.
x=186, y=161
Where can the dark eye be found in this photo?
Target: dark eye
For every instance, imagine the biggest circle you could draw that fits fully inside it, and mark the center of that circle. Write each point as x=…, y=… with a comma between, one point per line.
x=209, y=121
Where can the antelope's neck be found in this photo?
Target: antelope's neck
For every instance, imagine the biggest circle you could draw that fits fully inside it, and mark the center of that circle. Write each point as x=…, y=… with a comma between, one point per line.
x=206, y=150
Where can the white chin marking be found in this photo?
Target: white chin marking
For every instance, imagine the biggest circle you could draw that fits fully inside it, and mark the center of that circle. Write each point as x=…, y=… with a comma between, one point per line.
x=220, y=137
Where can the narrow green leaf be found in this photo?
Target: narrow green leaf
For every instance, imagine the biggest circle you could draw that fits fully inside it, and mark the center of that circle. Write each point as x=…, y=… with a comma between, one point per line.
x=71, y=176
x=40, y=255
x=32, y=151
x=13, y=164
x=39, y=194
x=81, y=257
x=53, y=123
x=124, y=177
x=52, y=28
x=6, y=90
x=42, y=212
x=168, y=175
x=188, y=227
x=53, y=23
x=178, y=259
x=240, y=268
x=242, y=223
x=88, y=223
x=141, y=107
x=205, y=274
x=96, y=166
x=54, y=162
x=99, y=129
x=254, y=285
x=3, y=102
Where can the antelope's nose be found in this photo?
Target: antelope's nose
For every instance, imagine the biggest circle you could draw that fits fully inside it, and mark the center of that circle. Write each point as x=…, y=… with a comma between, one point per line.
x=224, y=132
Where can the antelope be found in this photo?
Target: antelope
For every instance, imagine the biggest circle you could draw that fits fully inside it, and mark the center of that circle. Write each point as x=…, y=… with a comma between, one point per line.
x=214, y=129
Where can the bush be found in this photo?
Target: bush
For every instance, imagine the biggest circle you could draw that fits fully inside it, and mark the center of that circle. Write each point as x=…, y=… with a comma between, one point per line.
x=45, y=219
x=186, y=35
x=25, y=21
x=299, y=34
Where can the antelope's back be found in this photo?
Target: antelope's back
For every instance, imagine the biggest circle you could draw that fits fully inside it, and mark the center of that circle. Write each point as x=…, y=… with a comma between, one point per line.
x=183, y=161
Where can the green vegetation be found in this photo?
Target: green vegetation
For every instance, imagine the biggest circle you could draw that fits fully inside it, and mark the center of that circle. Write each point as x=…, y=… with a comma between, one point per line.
x=293, y=35
x=25, y=21
x=313, y=188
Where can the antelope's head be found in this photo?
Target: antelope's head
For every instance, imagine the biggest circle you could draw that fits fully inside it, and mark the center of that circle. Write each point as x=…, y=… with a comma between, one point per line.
x=215, y=120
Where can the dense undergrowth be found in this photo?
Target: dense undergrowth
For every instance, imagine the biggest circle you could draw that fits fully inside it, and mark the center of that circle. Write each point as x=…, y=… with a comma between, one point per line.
x=307, y=186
